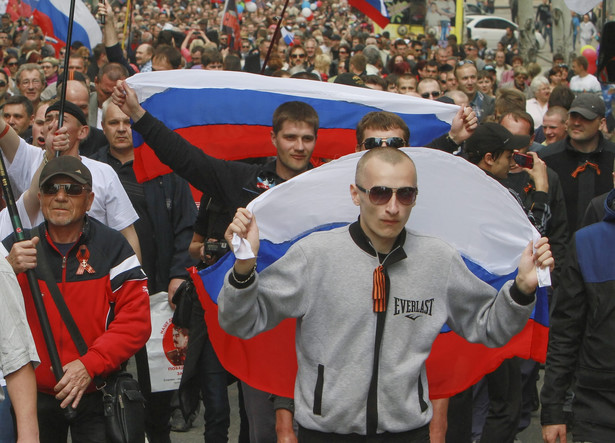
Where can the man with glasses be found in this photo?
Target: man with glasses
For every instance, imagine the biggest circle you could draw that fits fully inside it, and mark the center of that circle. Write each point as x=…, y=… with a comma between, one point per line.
x=466, y=75
x=30, y=80
x=471, y=51
x=382, y=128
x=519, y=82
x=353, y=334
x=50, y=66
x=297, y=58
x=429, y=88
x=93, y=267
x=231, y=185
x=111, y=205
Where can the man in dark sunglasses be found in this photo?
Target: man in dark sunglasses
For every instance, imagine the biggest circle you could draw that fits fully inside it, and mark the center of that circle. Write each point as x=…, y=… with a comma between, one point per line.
x=429, y=88
x=92, y=266
x=376, y=297
x=227, y=186
x=382, y=128
x=111, y=203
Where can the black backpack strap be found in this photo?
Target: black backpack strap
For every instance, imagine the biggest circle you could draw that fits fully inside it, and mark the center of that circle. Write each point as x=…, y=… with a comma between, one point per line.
x=43, y=269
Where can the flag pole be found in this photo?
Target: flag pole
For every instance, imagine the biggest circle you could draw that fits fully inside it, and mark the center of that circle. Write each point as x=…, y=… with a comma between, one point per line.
x=35, y=290
x=69, y=37
x=276, y=35
x=223, y=14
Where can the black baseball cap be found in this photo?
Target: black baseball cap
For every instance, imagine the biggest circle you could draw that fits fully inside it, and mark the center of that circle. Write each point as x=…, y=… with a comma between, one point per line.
x=66, y=165
x=350, y=79
x=590, y=106
x=69, y=108
x=492, y=137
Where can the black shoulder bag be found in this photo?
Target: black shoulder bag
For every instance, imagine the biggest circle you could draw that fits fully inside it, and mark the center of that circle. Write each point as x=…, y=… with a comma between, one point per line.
x=123, y=402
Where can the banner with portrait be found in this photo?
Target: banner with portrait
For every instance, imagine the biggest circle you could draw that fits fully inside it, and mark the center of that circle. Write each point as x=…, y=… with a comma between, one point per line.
x=166, y=347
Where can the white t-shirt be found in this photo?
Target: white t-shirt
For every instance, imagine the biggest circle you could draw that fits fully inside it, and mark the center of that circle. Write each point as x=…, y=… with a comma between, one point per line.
x=589, y=83
x=111, y=204
x=536, y=110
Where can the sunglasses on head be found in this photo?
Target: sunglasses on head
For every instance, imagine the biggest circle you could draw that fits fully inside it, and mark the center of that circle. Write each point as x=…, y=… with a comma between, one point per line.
x=380, y=195
x=69, y=188
x=392, y=142
x=465, y=62
x=434, y=94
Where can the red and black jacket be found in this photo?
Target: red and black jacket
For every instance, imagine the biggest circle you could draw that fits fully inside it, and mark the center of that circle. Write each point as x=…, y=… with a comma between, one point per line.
x=105, y=290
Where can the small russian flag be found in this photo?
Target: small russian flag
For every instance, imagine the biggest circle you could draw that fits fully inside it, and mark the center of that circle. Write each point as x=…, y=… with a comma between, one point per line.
x=289, y=37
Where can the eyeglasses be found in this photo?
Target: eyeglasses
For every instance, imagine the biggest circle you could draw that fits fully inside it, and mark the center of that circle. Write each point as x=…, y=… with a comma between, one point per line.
x=33, y=82
x=380, y=195
x=434, y=94
x=393, y=142
x=72, y=189
x=297, y=55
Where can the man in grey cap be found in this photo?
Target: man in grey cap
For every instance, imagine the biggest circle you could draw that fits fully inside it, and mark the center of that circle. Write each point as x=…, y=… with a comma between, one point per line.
x=584, y=159
x=104, y=288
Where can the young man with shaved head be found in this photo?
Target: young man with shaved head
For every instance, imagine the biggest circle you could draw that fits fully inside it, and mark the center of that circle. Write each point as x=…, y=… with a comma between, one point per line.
x=348, y=263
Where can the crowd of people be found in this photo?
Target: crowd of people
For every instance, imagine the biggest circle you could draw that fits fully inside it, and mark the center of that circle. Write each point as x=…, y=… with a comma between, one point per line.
x=544, y=134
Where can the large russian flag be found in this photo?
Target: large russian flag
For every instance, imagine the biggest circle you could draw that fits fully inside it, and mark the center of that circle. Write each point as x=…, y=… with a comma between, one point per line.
x=228, y=114
x=457, y=202
x=52, y=17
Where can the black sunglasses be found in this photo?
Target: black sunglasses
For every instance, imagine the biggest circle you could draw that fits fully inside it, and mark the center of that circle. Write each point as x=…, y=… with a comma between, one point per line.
x=434, y=94
x=297, y=55
x=70, y=188
x=393, y=142
x=2, y=83
x=380, y=195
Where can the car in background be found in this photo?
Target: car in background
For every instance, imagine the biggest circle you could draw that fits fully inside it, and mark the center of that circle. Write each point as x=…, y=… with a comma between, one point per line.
x=492, y=29
x=488, y=27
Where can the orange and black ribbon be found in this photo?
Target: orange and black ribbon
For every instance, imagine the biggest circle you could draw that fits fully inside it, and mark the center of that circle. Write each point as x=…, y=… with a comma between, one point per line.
x=379, y=290
x=83, y=255
x=583, y=167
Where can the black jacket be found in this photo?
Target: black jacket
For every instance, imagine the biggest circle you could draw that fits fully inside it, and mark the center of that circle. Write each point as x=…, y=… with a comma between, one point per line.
x=586, y=183
x=554, y=222
x=581, y=344
x=232, y=184
x=170, y=211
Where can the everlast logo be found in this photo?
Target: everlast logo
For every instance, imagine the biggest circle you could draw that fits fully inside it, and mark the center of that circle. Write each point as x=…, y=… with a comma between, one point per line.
x=413, y=309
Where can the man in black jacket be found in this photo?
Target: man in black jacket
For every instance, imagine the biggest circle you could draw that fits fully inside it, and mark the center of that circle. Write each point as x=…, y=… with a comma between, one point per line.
x=233, y=185
x=584, y=159
x=166, y=212
x=580, y=338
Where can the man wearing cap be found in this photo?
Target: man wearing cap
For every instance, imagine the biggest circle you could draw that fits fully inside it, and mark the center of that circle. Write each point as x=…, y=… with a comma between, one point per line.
x=111, y=205
x=584, y=159
x=491, y=148
x=104, y=288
